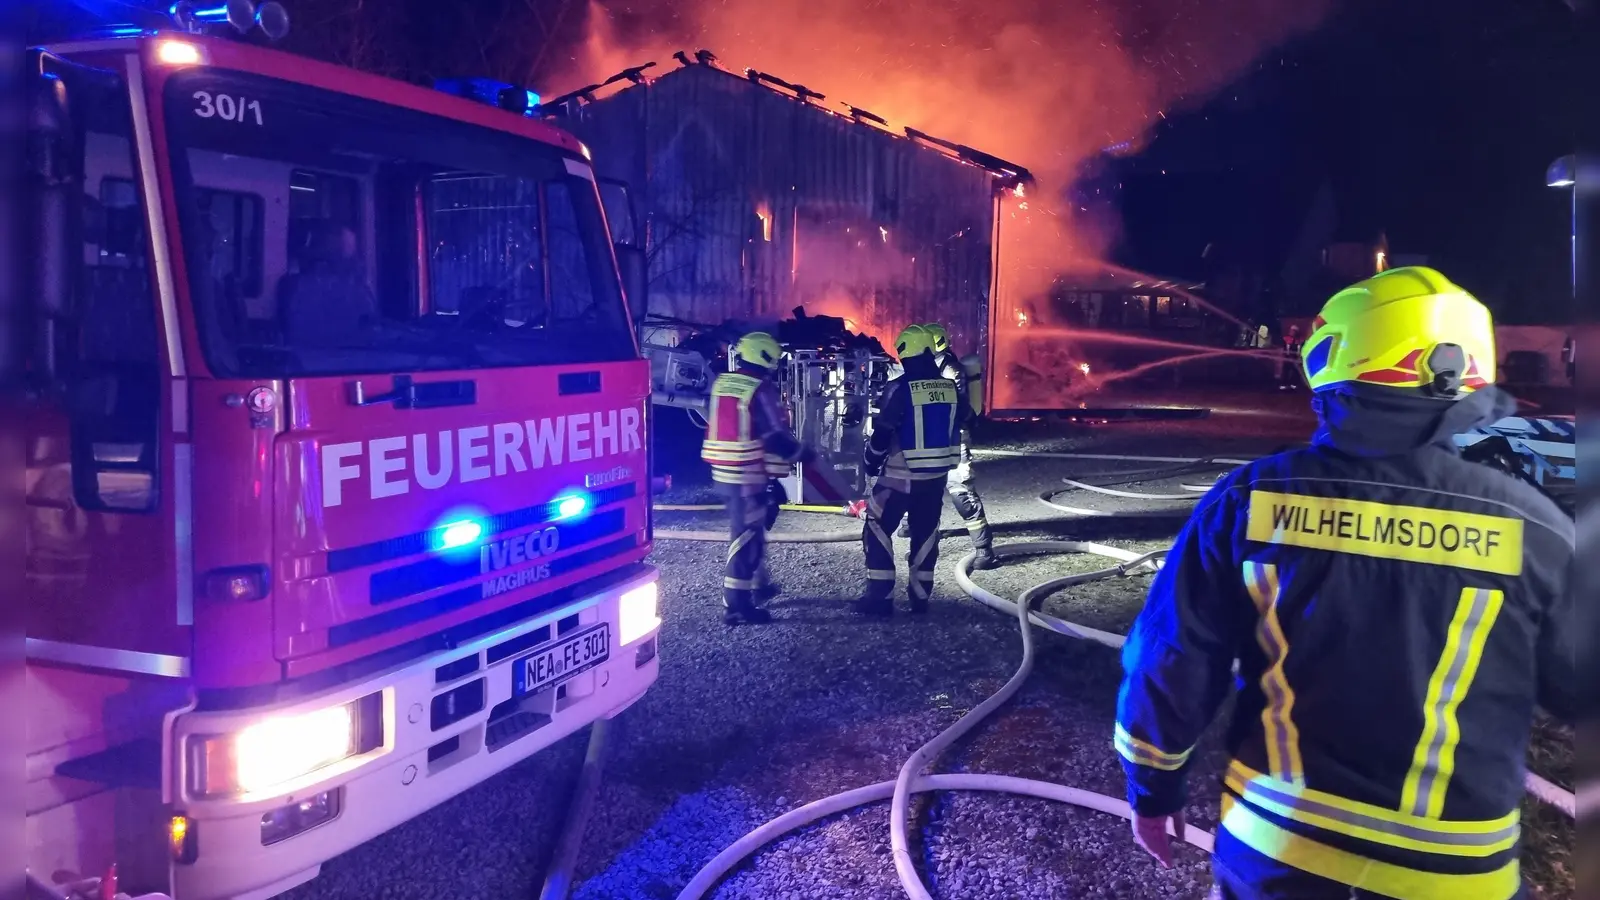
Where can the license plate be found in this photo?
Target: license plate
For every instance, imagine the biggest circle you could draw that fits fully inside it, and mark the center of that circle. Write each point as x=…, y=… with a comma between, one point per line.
x=544, y=668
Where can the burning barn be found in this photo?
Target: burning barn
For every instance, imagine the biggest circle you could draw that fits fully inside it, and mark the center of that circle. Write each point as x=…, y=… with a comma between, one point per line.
x=756, y=197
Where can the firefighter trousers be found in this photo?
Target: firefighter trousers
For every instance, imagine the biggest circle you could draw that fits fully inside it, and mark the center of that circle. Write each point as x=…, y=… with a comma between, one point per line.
x=922, y=506
x=748, y=507
x=969, y=505
x=1242, y=873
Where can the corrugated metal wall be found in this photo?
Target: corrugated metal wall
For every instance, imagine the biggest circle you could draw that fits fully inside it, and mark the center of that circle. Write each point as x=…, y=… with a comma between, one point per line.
x=757, y=203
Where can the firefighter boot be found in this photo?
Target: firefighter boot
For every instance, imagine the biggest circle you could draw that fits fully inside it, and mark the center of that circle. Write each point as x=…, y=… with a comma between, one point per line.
x=745, y=613
x=984, y=558
x=875, y=607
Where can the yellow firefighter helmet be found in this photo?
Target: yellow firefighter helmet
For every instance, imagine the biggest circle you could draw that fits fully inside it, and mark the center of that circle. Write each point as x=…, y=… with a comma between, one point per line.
x=758, y=349
x=1406, y=328
x=914, y=341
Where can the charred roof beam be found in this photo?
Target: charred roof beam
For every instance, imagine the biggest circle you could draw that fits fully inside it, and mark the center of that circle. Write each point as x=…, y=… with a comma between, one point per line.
x=634, y=74
x=800, y=91
x=568, y=102
x=861, y=115
x=995, y=164
x=702, y=57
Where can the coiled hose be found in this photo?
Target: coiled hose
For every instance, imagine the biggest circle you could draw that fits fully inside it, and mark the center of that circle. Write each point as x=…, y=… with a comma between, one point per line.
x=1187, y=466
x=912, y=781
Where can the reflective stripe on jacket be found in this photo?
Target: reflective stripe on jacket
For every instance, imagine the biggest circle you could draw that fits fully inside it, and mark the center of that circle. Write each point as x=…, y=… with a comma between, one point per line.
x=731, y=445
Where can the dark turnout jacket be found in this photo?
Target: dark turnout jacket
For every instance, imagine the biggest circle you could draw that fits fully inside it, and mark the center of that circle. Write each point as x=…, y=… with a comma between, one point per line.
x=1396, y=612
x=916, y=429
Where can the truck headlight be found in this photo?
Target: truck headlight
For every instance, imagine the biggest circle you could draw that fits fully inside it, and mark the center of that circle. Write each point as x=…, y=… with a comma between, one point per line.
x=637, y=615
x=282, y=749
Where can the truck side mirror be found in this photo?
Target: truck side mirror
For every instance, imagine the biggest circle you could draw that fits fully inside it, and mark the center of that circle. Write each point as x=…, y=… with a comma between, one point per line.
x=54, y=195
x=634, y=269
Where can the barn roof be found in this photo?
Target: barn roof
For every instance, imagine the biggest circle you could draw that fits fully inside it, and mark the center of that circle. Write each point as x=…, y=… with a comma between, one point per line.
x=1002, y=169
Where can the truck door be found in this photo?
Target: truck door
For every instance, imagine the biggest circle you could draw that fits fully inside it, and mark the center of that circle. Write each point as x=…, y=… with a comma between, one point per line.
x=107, y=470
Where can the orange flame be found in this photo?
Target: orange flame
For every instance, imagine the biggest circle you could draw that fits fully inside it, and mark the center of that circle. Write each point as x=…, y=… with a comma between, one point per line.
x=765, y=213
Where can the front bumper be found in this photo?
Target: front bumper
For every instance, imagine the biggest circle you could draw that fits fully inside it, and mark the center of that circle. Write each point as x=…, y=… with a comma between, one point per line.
x=418, y=764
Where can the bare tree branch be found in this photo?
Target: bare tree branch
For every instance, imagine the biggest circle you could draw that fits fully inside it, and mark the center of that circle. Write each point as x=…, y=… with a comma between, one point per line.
x=551, y=36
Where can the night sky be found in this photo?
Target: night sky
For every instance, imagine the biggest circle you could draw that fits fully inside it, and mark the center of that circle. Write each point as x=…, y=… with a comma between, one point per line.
x=1432, y=121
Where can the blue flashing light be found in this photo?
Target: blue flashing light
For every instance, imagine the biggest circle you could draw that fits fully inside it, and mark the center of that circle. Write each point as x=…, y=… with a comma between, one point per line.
x=460, y=533
x=571, y=506
x=209, y=14
x=509, y=97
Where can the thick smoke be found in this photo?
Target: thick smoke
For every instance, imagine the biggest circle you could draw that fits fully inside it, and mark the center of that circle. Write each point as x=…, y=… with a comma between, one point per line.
x=1047, y=84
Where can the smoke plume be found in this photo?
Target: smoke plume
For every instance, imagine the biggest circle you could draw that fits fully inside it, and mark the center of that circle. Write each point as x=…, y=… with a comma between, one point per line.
x=1046, y=84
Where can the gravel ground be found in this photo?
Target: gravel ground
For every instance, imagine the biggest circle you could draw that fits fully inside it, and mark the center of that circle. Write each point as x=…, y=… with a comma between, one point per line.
x=841, y=702
x=747, y=723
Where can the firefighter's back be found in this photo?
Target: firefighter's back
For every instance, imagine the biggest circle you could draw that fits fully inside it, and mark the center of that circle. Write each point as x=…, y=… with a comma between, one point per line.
x=1389, y=690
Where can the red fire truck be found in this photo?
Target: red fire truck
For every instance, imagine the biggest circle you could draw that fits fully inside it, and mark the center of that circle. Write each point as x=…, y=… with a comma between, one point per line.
x=338, y=476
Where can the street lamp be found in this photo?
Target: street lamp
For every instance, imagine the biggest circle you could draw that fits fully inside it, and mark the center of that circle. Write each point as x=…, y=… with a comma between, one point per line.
x=1581, y=176
x=1563, y=173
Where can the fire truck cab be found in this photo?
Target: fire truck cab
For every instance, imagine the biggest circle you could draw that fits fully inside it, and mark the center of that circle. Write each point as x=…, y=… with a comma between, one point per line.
x=337, y=470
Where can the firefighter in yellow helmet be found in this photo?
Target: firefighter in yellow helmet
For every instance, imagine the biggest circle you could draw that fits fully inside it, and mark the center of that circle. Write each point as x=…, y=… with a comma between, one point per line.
x=749, y=444
x=967, y=374
x=914, y=445
x=1396, y=611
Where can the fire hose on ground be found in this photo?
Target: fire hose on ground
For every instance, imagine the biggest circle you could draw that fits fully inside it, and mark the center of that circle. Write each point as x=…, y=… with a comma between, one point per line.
x=774, y=537
x=911, y=779
x=558, y=880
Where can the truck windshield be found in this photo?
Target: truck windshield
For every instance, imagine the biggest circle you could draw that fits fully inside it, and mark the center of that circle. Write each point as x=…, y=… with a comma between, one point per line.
x=325, y=234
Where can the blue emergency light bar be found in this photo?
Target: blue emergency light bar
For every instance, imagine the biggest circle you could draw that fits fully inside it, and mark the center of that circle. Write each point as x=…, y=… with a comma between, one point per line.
x=499, y=94
x=207, y=14
x=242, y=15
